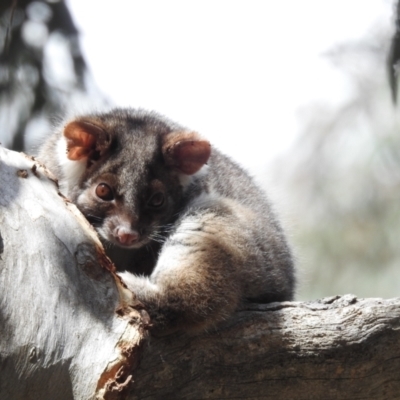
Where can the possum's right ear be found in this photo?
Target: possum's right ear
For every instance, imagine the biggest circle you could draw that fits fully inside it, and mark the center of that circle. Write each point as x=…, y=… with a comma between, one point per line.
x=85, y=140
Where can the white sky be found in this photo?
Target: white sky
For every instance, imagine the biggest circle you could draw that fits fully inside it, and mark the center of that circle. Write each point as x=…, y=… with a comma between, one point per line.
x=235, y=71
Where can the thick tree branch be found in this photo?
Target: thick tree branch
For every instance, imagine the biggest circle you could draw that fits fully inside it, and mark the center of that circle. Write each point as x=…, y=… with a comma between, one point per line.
x=335, y=348
x=71, y=330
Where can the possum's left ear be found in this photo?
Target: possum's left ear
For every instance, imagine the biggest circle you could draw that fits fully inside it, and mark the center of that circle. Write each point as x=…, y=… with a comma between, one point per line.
x=186, y=151
x=85, y=140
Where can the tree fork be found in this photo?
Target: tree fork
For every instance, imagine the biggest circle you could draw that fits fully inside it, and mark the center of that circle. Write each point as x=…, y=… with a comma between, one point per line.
x=71, y=330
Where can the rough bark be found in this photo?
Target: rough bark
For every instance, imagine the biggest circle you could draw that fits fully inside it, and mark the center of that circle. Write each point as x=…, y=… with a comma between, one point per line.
x=335, y=348
x=70, y=329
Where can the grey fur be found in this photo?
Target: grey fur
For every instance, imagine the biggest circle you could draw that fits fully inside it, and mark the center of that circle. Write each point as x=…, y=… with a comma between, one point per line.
x=217, y=244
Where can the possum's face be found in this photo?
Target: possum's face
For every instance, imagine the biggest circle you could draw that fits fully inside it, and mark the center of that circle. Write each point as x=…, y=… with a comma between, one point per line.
x=130, y=207
x=128, y=222
x=126, y=172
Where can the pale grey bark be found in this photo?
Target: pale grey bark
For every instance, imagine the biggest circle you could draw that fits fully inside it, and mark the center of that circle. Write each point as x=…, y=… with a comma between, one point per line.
x=70, y=330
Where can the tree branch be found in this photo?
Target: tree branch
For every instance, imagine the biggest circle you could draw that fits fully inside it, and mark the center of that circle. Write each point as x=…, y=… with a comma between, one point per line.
x=71, y=330
x=335, y=348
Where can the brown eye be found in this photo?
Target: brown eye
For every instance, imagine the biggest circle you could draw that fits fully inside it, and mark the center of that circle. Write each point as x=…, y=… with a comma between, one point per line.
x=104, y=192
x=157, y=200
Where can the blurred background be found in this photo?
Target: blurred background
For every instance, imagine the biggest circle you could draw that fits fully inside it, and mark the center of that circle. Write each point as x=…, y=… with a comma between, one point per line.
x=296, y=92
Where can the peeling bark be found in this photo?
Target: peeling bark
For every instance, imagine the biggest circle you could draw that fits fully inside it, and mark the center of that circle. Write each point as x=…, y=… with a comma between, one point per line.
x=69, y=327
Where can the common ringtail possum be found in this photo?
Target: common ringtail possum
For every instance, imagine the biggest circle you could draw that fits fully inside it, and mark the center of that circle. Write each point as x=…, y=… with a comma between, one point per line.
x=190, y=232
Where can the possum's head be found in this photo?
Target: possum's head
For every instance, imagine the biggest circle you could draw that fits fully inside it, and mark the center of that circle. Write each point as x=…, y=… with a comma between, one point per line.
x=126, y=171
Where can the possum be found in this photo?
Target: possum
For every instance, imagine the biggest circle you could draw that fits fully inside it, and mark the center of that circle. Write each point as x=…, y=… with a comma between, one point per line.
x=189, y=231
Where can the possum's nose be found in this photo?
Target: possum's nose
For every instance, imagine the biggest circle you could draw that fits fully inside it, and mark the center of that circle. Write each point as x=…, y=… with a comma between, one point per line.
x=126, y=237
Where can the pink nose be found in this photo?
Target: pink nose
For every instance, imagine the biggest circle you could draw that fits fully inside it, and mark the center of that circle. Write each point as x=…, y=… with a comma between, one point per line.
x=126, y=237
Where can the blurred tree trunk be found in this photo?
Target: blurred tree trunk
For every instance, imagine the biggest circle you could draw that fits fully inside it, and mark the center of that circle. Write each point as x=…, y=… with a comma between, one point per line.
x=394, y=56
x=71, y=330
x=33, y=87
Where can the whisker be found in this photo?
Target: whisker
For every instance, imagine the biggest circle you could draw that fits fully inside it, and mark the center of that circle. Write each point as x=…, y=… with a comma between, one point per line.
x=157, y=238
x=94, y=219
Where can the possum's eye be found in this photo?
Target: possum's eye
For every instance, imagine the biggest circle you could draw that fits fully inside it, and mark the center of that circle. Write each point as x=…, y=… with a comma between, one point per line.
x=104, y=192
x=156, y=200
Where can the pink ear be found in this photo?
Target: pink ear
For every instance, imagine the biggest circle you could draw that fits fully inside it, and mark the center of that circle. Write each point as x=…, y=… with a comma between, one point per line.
x=186, y=151
x=85, y=140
